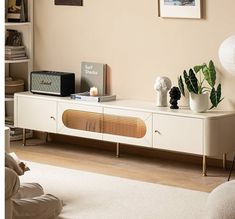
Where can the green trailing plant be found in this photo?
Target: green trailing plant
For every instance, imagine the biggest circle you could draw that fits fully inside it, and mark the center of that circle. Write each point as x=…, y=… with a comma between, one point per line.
x=201, y=79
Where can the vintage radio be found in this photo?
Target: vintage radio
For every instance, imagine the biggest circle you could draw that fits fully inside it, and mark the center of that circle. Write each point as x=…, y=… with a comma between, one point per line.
x=52, y=83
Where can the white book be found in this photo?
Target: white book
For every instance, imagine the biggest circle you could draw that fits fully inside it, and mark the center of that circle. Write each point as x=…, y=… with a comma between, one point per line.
x=86, y=97
x=14, y=48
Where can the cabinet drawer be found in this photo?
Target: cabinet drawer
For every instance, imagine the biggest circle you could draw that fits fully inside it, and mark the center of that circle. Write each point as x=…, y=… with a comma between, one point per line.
x=80, y=120
x=35, y=114
x=176, y=133
x=127, y=126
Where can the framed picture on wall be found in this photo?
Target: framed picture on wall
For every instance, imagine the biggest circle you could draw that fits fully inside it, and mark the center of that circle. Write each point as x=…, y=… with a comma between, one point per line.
x=179, y=8
x=69, y=2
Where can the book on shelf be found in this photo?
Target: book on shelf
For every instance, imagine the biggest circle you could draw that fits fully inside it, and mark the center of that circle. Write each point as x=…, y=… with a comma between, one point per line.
x=14, y=52
x=15, y=57
x=93, y=75
x=6, y=10
x=22, y=14
x=86, y=97
x=14, y=48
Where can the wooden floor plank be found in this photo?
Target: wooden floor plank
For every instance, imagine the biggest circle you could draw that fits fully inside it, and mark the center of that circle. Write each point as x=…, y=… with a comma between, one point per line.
x=133, y=166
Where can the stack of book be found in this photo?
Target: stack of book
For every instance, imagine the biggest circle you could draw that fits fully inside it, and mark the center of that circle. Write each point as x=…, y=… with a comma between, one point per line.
x=15, y=52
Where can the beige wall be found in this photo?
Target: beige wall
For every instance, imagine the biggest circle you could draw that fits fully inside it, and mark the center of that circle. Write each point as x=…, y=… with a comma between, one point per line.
x=136, y=44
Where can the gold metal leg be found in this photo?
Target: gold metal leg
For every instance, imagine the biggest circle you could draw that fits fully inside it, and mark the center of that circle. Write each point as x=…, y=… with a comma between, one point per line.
x=46, y=137
x=225, y=161
x=204, y=165
x=117, y=150
x=24, y=137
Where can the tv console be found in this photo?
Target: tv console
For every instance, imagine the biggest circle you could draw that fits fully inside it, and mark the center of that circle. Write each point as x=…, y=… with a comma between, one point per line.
x=130, y=122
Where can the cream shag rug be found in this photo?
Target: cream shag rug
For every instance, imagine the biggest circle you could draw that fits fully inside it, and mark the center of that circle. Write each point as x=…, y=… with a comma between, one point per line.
x=95, y=196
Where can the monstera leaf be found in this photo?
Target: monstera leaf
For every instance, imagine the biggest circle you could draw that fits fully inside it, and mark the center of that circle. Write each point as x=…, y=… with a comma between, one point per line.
x=181, y=85
x=209, y=73
x=191, y=81
x=215, y=96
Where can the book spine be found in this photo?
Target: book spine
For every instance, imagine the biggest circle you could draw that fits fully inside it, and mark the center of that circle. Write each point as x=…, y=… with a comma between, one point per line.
x=104, y=79
x=85, y=98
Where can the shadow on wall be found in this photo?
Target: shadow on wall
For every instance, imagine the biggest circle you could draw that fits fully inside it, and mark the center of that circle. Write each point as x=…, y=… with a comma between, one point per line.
x=232, y=103
x=108, y=80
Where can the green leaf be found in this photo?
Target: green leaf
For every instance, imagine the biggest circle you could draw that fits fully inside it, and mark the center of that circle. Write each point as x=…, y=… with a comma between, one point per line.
x=191, y=81
x=197, y=68
x=209, y=73
x=181, y=85
x=215, y=96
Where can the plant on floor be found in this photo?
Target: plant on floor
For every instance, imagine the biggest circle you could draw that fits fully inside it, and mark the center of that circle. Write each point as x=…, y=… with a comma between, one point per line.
x=201, y=79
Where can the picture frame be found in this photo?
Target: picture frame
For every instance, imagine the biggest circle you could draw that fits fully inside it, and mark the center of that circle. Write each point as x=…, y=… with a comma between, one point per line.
x=69, y=2
x=179, y=9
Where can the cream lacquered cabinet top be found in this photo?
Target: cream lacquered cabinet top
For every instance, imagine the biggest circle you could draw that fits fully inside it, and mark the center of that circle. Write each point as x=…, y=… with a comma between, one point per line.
x=144, y=106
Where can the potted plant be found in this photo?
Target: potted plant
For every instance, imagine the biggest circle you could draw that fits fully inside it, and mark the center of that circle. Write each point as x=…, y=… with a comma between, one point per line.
x=200, y=82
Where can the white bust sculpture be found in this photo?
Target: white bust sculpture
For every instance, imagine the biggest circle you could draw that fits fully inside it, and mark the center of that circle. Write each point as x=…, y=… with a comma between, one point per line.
x=161, y=86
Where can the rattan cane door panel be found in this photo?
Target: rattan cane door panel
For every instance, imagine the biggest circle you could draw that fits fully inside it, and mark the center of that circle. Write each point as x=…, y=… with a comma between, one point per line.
x=124, y=126
x=127, y=126
x=80, y=120
x=115, y=125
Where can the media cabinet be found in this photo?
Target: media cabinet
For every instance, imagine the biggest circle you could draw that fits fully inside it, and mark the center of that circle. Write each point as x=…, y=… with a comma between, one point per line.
x=131, y=122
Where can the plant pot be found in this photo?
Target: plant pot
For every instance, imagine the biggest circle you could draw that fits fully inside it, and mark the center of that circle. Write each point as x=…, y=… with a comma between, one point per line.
x=199, y=102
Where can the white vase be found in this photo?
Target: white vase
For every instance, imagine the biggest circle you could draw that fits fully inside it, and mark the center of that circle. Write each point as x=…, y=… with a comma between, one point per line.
x=199, y=102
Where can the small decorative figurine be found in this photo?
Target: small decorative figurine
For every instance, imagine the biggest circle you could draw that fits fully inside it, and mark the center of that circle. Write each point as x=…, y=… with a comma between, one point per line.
x=161, y=86
x=175, y=95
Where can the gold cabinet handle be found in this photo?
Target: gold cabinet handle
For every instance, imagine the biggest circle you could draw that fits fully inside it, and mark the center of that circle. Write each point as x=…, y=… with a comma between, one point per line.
x=52, y=117
x=156, y=131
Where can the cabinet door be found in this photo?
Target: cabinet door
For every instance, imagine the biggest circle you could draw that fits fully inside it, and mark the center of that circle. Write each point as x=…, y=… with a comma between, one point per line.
x=177, y=133
x=80, y=120
x=35, y=114
x=127, y=126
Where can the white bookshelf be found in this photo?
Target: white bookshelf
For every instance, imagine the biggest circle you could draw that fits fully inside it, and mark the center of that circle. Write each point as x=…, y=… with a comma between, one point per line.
x=26, y=28
x=21, y=68
x=15, y=24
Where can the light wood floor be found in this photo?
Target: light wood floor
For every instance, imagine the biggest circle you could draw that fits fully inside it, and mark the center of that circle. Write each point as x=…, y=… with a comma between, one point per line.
x=144, y=168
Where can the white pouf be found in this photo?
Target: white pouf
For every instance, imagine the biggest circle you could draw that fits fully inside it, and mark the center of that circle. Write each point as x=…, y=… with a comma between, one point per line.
x=221, y=202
